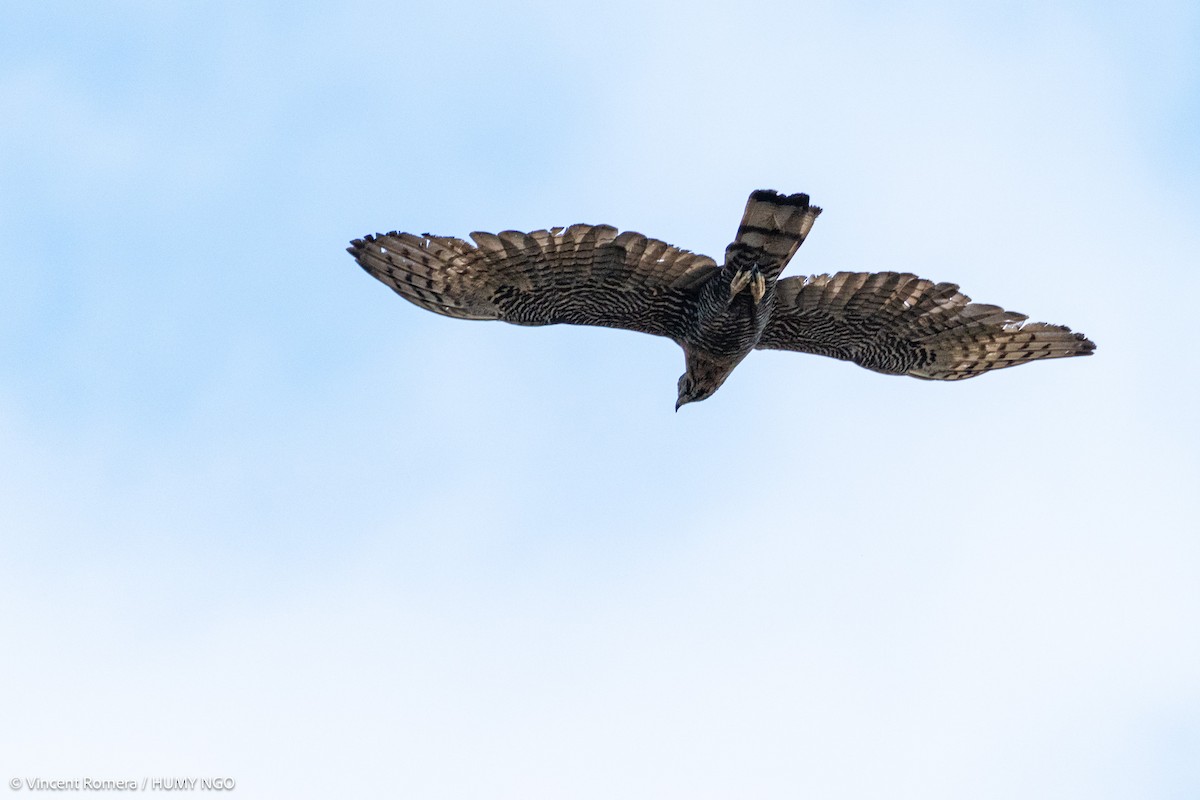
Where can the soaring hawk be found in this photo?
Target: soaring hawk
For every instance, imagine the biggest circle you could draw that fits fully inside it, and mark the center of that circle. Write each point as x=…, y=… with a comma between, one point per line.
x=889, y=322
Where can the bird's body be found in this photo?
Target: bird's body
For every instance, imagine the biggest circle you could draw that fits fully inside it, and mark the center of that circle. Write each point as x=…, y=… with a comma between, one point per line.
x=894, y=323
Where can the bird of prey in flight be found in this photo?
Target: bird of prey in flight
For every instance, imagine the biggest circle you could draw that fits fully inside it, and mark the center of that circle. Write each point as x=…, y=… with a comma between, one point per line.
x=889, y=322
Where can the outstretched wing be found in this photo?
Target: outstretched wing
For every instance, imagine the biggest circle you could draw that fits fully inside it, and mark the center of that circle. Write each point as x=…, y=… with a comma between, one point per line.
x=583, y=275
x=899, y=324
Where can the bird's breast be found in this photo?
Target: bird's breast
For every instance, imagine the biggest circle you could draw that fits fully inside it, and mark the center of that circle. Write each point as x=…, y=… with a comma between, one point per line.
x=733, y=332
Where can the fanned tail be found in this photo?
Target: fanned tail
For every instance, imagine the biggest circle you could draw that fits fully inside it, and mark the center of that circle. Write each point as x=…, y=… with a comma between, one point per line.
x=773, y=228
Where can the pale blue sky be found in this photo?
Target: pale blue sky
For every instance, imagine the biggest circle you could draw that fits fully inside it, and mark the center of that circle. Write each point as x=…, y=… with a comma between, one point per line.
x=262, y=518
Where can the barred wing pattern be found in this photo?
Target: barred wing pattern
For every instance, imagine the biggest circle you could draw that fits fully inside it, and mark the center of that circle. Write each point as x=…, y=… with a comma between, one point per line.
x=581, y=275
x=899, y=324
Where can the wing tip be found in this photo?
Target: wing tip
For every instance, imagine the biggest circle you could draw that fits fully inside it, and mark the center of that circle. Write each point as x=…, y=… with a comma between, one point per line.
x=359, y=246
x=1086, y=346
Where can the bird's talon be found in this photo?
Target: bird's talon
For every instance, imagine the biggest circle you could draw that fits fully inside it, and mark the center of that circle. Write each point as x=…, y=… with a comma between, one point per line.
x=758, y=287
x=748, y=277
x=740, y=279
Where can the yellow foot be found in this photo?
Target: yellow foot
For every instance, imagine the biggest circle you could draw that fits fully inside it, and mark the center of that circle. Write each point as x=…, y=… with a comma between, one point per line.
x=740, y=280
x=748, y=277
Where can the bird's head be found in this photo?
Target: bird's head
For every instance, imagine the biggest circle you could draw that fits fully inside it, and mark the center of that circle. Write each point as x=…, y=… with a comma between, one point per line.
x=700, y=381
x=691, y=391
